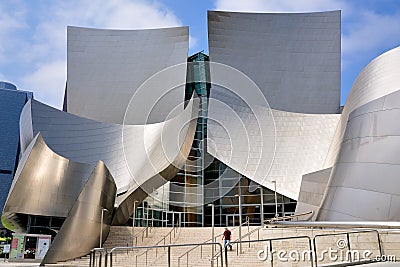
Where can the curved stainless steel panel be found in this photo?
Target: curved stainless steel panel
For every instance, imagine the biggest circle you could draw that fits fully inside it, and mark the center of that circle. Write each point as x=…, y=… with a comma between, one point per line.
x=44, y=184
x=147, y=185
x=78, y=139
x=261, y=143
x=47, y=184
x=293, y=58
x=106, y=67
x=379, y=78
x=366, y=170
x=132, y=153
x=81, y=230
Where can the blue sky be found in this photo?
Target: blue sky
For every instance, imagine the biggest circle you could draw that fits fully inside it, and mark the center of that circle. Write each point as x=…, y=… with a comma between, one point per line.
x=33, y=33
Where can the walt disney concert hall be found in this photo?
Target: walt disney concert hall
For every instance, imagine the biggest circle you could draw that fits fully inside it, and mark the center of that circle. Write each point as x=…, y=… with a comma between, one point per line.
x=254, y=127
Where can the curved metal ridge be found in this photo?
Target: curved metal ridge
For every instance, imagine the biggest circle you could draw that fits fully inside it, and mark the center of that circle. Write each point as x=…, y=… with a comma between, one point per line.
x=81, y=230
x=47, y=184
x=125, y=201
x=301, y=84
x=366, y=169
x=339, y=224
x=79, y=191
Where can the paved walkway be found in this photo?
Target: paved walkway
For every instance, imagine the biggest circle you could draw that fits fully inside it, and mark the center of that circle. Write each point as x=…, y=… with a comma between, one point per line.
x=382, y=264
x=26, y=264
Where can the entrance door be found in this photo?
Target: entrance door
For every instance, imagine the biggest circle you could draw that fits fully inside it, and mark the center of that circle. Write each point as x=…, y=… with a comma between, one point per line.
x=174, y=218
x=232, y=220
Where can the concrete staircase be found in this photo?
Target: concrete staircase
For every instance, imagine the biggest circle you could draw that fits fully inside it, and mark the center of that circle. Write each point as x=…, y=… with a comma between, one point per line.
x=326, y=239
x=199, y=256
x=120, y=236
x=249, y=254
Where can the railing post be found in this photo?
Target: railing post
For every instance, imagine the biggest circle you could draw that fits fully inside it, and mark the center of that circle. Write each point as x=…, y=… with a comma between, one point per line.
x=270, y=251
x=348, y=246
x=105, y=260
x=100, y=260
x=169, y=256
x=220, y=254
x=90, y=259
x=315, y=251
x=146, y=257
x=111, y=259
x=309, y=244
x=136, y=260
x=201, y=251
x=379, y=243
x=226, y=257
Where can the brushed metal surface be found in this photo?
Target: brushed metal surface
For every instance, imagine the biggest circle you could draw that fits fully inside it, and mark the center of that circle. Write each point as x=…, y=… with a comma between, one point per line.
x=127, y=150
x=145, y=186
x=106, y=67
x=261, y=143
x=365, y=173
x=47, y=184
x=81, y=230
x=44, y=184
x=313, y=186
x=294, y=58
x=379, y=78
x=294, y=61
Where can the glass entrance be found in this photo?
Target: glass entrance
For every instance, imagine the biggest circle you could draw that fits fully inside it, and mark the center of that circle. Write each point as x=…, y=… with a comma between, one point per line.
x=232, y=220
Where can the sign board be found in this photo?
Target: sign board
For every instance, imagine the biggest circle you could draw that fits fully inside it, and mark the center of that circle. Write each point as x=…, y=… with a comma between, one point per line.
x=43, y=246
x=17, y=247
x=6, y=248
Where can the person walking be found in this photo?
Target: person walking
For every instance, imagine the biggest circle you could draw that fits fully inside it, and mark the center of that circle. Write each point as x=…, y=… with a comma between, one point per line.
x=227, y=235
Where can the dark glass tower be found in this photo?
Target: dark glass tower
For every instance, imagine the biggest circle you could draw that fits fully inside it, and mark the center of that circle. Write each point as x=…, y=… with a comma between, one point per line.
x=11, y=103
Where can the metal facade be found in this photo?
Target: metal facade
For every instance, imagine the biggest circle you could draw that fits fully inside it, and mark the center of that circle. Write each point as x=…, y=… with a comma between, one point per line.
x=11, y=103
x=106, y=67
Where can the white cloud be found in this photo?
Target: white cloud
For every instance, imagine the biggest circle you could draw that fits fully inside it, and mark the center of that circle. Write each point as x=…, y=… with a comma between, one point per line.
x=45, y=47
x=47, y=82
x=9, y=23
x=192, y=42
x=280, y=5
x=370, y=32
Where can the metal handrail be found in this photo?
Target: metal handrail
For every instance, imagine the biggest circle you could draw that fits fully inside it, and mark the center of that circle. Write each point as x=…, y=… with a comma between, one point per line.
x=340, y=224
x=92, y=256
x=146, y=229
x=206, y=242
x=348, y=240
x=237, y=241
x=110, y=253
x=283, y=218
x=101, y=251
x=270, y=240
x=173, y=230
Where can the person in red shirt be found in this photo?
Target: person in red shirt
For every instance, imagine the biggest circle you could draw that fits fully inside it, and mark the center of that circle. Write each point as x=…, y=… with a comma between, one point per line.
x=227, y=238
